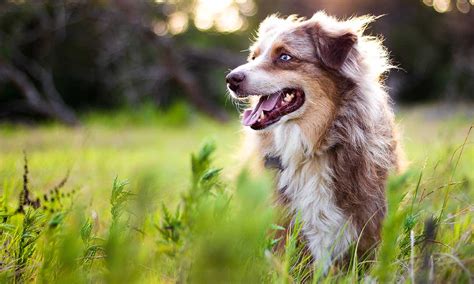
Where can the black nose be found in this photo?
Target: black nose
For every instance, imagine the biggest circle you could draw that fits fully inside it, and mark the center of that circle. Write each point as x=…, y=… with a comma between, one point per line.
x=234, y=79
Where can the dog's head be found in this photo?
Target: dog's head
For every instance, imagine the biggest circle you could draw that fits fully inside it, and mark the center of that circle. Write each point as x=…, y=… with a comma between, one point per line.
x=297, y=70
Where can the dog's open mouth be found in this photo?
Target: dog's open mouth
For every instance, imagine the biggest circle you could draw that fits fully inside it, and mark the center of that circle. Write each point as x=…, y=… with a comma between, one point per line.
x=271, y=108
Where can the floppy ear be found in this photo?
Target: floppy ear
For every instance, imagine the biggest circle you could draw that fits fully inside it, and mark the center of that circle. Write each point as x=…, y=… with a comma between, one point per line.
x=331, y=49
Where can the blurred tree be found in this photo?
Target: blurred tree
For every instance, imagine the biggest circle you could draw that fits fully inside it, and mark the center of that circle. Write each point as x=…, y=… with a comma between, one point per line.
x=25, y=37
x=431, y=41
x=65, y=55
x=60, y=57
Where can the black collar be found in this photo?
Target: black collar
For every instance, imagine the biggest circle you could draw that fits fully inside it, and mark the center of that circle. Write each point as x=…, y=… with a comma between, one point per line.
x=273, y=162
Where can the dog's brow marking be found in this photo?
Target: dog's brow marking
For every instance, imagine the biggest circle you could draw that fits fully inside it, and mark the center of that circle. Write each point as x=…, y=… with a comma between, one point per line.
x=254, y=53
x=267, y=44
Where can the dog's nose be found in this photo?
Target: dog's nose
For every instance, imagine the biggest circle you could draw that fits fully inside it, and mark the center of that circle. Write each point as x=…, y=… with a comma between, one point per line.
x=234, y=79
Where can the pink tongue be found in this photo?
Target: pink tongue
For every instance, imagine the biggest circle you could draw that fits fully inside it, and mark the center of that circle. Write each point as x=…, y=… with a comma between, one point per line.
x=267, y=103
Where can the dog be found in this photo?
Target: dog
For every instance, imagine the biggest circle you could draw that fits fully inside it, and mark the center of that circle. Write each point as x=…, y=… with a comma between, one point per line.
x=320, y=114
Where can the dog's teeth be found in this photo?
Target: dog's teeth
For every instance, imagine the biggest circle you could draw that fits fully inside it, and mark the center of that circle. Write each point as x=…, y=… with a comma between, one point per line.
x=262, y=115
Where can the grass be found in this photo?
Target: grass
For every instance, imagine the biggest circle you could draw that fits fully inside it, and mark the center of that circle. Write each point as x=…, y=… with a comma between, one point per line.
x=120, y=200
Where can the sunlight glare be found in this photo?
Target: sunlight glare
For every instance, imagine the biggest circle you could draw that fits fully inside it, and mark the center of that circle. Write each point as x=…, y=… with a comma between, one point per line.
x=178, y=22
x=248, y=7
x=442, y=6
x=463, y=6
x=224, y=15
x=428, y=2
x=160, y=28
x=229, y=21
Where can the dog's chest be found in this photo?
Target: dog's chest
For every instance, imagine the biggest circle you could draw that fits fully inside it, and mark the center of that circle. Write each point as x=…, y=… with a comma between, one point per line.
x=304, y=183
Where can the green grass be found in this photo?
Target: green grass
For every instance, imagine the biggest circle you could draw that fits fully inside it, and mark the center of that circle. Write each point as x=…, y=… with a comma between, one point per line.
x=122, y=200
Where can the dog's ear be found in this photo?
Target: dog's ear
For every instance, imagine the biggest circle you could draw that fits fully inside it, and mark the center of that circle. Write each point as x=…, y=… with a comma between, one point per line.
x=332, y=49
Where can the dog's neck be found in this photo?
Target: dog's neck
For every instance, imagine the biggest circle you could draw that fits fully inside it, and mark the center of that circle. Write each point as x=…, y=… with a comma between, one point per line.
x=304, y=188
x=286, y=145
x=342, y=178
x=295, y=160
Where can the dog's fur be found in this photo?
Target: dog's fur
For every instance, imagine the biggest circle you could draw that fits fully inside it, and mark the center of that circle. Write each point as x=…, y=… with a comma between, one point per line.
x=334, y=153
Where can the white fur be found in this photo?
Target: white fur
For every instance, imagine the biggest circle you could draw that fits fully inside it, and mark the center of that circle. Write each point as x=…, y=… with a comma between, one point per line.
x=306, y=181
x=306, y=176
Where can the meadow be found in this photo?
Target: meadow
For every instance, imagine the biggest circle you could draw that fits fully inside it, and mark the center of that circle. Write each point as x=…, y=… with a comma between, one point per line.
x=122, y=199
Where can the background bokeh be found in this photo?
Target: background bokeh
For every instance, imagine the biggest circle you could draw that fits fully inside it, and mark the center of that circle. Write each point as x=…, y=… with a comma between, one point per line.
x=102, y=103
x=59, y=59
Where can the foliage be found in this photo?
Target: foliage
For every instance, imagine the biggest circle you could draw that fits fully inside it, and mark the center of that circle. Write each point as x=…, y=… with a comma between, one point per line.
x=57, y=58
x=222, y=229
x=62, y=58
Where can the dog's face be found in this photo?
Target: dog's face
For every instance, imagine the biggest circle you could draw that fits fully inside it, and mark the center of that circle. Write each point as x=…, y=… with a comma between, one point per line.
x=292, y=73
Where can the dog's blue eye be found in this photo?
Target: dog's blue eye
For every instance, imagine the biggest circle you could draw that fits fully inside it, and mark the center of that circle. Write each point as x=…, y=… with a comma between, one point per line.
x=285, y=57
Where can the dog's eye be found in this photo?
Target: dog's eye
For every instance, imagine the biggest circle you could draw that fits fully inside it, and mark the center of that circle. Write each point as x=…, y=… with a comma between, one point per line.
x=285, y=57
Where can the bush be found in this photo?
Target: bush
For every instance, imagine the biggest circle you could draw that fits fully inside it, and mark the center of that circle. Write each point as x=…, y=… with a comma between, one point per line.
x=220, y=232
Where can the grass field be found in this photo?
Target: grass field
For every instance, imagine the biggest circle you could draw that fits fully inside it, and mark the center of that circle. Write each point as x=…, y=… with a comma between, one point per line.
x=179, y=219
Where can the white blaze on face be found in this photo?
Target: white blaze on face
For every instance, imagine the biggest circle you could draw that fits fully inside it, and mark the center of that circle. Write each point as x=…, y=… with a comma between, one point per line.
x=258, y=79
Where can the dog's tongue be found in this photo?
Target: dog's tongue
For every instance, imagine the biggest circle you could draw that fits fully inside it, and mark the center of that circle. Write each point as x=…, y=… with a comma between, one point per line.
x=266, y=103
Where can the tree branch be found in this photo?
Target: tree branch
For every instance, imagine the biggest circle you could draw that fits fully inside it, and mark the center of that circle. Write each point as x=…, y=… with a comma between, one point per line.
x=184, y=77
x=51, y=108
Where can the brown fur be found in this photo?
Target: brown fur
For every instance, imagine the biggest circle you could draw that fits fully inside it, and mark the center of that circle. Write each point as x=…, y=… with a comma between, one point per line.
x=359, y=181
x=346, y=120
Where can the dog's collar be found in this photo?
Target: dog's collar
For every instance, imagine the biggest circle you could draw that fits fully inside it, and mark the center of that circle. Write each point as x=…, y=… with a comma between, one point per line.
x=273, y=162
